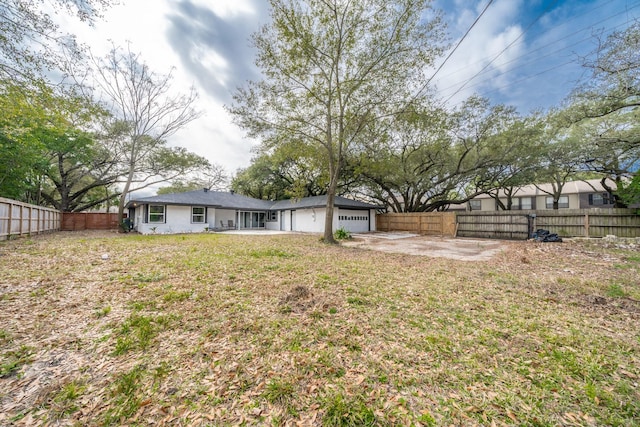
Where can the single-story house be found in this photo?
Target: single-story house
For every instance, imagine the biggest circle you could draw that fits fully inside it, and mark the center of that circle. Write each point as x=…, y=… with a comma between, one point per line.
x=575, y=195
x=197, y=211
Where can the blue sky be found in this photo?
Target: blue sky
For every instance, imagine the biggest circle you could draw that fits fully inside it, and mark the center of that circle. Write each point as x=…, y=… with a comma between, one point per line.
x=208, y=44
x=542, y=65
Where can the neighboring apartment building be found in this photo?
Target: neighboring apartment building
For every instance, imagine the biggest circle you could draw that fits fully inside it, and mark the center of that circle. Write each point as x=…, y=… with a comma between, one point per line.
x=575, y=195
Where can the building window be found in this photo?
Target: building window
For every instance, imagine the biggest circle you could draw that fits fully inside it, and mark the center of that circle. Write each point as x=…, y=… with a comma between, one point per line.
x=525, y=203
x=563, y=202
x=156, y=213
x=475, y=205
x=197, y=214
x=272, y=216
x=598, y=199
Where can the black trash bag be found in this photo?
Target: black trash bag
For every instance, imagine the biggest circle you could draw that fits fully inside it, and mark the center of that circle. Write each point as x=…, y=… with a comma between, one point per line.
x=552, y=237
x=542, y=235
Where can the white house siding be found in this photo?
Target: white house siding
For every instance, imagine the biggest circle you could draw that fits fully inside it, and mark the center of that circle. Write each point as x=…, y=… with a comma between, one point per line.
x=487, y=205
x=273, y=225
x=309, y=220
x=312, y=220
x=177, y=220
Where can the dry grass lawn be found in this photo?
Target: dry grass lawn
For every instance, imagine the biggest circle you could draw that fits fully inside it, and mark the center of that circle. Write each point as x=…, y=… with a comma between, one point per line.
x=108, y=329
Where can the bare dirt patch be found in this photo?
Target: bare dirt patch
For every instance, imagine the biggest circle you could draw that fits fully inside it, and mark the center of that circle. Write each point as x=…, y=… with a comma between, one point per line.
x=441, y=247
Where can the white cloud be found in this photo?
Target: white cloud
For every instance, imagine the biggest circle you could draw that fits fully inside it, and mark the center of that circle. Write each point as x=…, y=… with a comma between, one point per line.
x=491, y=35
x=212, y=136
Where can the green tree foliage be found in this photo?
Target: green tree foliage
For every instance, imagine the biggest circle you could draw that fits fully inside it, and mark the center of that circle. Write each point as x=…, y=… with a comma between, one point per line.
x=519, y=146
x=604, y=111
x=333, y=70
x=52, y=155
x=561, y=158
x=30, y=40
x=270, y=177
x=614, y=84
x=433, y=158
x=290, y=170
x=21, y=152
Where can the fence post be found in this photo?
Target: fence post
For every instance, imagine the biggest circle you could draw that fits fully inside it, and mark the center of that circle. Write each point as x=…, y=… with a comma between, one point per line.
x=586, y=225
x=10, y=228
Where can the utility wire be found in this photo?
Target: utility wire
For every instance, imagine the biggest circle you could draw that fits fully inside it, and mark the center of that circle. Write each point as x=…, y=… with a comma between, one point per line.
x=537, y=58
x=590, y=26
x=426, y=85
x=554, y=67
x=503, y=50
x=459, y=42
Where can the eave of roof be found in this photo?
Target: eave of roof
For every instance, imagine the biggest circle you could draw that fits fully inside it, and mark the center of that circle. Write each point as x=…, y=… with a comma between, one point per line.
x=228, y=200
x=321, y=202
x=216, y=199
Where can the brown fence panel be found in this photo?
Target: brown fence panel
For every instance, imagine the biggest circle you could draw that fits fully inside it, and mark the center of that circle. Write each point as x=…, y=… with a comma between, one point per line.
x=564, y=222
x=496, y=225
x=76, y=221
x=22, y=219
x=426, y=223
x=590, y=222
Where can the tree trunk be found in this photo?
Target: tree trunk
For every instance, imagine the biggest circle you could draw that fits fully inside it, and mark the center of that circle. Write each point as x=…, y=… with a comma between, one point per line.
x=123, y=196
x=331, y=194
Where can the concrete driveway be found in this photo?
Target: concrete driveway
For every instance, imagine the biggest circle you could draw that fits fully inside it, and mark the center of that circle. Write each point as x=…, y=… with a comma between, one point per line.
x=412, y=244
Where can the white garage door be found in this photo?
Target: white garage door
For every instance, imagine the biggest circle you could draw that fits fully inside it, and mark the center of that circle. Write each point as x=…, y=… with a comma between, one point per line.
x=355, y=221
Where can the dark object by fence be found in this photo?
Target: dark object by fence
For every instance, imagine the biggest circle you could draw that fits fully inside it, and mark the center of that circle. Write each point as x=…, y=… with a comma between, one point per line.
x=542, y=235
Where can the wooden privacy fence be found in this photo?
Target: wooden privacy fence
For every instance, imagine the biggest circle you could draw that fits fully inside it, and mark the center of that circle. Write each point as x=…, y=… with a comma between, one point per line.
x=22, y=219
x=564, y=222
x=427, y=223
x=516, y=224
x=77, y=221
x=498, y=225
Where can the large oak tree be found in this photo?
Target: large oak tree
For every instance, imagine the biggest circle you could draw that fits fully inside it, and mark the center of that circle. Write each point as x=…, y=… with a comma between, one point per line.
x=332, y=71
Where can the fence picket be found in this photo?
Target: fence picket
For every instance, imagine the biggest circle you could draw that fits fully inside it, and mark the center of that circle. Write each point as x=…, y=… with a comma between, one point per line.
x=13, y=215
x=516, y=224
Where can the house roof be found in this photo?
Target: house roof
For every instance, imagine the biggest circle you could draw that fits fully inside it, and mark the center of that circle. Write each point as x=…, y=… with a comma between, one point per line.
x=228, y=200
x=320, y=202
x=570, y=187
x=217, y=199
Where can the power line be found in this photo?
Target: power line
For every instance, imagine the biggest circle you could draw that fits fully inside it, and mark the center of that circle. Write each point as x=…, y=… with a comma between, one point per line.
x=505, y=49
x=460, y=41
x=502, y=87
x=566, y=22
x=426, y=85
x=537, y=58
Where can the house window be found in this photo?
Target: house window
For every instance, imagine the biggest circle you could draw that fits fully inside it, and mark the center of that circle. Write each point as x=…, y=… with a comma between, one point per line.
x=197, y=214
x=475, y=205
x=525, y=202
x=598, y=199
x=156, y=213
x=563, y=202
x=272, y=216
